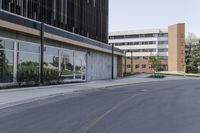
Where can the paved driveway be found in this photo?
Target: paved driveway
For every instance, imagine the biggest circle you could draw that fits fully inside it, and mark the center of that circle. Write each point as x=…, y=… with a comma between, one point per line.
x=157, y=107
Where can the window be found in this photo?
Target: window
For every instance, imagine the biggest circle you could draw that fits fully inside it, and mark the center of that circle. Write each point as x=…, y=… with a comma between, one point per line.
x=144, y=65
x=163, y=35
x=162, y=42
x=163, y=57
x=137, y=66
x=145, y=57
x=6, y=66
x=7, y=44
x=119, y=44
x=80, y=65
x=28, y=47
x=28, y=62
x=65, y=14
x=136, y=58
x=67, y=64
x=128, y=66
x=163, y=50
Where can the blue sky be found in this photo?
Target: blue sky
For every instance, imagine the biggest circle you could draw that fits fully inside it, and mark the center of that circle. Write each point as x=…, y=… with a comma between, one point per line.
x=142, y=14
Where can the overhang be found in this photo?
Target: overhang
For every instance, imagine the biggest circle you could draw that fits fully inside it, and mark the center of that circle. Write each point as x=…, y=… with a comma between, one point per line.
x=24, y=25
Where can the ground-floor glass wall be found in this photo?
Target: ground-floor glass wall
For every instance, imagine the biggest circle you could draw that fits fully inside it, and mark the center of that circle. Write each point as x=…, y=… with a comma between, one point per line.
x=6, y=61
x=80, y=65
x=67, y=64
x=20, y=62
x=28, y=62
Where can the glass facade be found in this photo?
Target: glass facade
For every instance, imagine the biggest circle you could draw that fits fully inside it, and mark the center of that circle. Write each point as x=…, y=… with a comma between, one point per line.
x=28, y=60
x=84, y=17
x=6, y=61
x=80, y=65
x=20, y=61
x=67, y=64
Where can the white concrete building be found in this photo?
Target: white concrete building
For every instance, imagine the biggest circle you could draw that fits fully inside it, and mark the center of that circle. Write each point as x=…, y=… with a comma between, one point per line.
x=142, y=43
x=139, y=45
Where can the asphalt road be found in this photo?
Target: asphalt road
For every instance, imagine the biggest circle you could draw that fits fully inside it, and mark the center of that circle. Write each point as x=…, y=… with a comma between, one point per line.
x=157, y=107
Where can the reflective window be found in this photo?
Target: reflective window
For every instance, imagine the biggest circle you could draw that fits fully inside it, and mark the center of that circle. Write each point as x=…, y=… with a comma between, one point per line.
x=28, y=67
x=6, y=44
x=163, y=50
x=163, y=35
x=6, y=66
x=29, y=47
x=137, y=66
x=128, y=66
x=80, y=65
x=163, y=57
x=72, y=64
x=67, y=65
x=162, y=42
x=51, y=64
x=144, y=65
x=1, y=44
x=51, y=50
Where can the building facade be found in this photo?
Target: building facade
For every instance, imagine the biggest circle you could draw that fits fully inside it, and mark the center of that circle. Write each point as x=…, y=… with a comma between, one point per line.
x=139, y=45
x=75, y=41
x=88, y=18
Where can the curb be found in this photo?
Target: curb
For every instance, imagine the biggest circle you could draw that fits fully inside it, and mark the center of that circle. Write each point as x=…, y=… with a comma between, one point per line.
x=3, y=106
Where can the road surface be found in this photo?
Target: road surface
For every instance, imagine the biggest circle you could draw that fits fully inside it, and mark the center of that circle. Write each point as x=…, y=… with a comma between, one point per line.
x=156, y=107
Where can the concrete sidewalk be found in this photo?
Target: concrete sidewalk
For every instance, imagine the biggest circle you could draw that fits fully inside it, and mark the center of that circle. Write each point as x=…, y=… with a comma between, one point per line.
x=18, y=96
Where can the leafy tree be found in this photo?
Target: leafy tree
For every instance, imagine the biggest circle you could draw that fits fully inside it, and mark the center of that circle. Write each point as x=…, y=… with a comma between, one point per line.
x=191, y=41
x=194, y=57
x=2, y=66
x=154, y=63
x=5, y=70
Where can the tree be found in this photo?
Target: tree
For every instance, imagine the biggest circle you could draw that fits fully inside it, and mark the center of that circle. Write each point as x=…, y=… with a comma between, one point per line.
x=191, y=41
x=3, y=64
x=194, y=57
x=154, y=63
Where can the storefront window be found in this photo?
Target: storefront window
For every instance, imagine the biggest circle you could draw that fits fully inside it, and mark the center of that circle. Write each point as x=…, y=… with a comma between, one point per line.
x=59, y=64
x=67, y=65
x=28, y=47
x=80, y=65
x=6, y=66
x=7, y=44
x=51, y=64
x=1, y=44
x=28, y=63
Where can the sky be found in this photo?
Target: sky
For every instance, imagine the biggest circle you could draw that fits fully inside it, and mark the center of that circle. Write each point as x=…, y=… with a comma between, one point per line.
x=147, y=14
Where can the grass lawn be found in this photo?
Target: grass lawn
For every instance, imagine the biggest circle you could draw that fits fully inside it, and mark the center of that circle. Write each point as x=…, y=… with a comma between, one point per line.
x=182, y=74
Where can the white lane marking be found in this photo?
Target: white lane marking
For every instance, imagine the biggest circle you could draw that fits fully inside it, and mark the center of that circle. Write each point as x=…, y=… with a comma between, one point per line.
x=98, y=119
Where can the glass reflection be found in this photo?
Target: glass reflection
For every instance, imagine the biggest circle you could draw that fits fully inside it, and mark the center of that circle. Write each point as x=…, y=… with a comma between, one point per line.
x=28, y=67
x=67, y=65
x=51, y=64
x=80, y=65
x=28, y=47
x=6, y=66
x=1, y=44
x=6, y=44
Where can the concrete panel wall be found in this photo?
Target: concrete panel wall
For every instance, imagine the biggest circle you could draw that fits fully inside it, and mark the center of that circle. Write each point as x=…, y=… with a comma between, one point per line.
x=99, y=66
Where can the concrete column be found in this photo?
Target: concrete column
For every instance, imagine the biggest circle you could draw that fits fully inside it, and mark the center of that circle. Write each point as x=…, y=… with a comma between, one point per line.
x=15, y=63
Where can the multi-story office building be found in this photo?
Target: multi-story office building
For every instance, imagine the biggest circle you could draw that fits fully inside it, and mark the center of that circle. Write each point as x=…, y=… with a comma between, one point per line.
x=84, y=17
x=74, y=34
x=139, y=45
